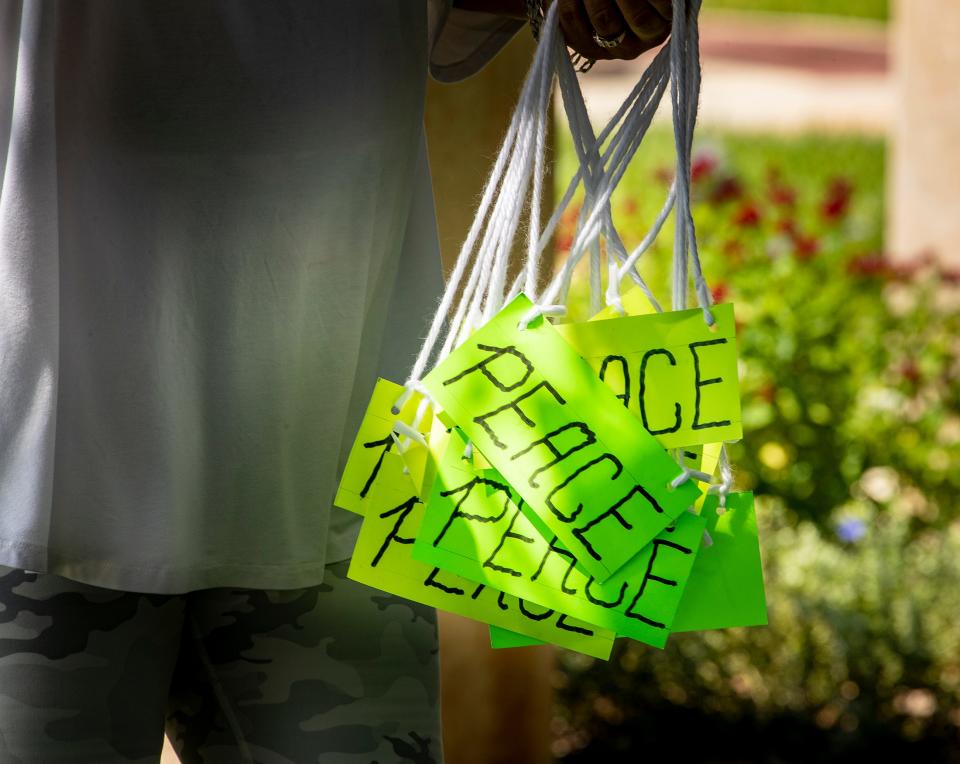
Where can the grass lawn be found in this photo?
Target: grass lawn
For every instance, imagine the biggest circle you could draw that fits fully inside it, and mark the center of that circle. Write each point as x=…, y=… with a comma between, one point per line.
x=867, y=9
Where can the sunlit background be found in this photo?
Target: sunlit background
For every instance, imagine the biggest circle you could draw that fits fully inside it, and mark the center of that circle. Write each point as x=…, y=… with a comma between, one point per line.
x=850, y=362
x=840, y=256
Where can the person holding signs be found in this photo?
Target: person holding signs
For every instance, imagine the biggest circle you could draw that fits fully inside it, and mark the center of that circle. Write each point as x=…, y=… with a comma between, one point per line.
x=216, y=226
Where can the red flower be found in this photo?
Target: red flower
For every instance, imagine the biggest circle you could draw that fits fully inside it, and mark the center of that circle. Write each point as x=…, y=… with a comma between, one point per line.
x=747, y=215
x=768, y=392
x=787, y=226
x=910, y=371
x=732, y=249
x=703, y=165
x=870, y=266
x=720, y=291
x=726, y=190
x=805, y=247
x=950, y=276
x=837, y=201
x=783, y=196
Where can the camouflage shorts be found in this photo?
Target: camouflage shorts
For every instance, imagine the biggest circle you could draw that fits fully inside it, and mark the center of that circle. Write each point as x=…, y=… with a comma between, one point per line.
x=332, y=673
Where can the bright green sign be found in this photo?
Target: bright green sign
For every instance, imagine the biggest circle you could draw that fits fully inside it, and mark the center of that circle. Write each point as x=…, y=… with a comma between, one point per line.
x=366, y=465
x=474, y=526
x=675, y=373
x=503, y=638
x=726, y=586
x=382, y=559
x=586, y=468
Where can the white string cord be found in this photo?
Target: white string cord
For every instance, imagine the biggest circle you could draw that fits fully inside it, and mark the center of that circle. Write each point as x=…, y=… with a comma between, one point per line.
x=529, y=273
x=470, y=242
x=652, y=234
x=635, y=125
x=533, y=165
x=486, y=250
x=725, y=486
x=626, y=108
x=586, y=145
x=470, y=310
x=684, y=90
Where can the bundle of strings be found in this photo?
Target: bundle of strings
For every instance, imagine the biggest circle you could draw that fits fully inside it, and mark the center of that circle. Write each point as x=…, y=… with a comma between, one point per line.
x=477, y=287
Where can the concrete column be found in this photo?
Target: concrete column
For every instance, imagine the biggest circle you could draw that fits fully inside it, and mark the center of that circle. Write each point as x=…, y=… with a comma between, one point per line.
x=924, y=168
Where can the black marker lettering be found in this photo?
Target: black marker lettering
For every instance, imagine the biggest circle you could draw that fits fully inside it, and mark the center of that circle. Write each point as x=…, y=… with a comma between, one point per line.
x=467, y=489
x=650, y=576
x=555, y=548
x=617, y=467
x=698, y=383
x=565, y=626
x=614, y=512
x=493, y=379
x=643, y=391
x=604, y=603
x=432, y=581
x=509, y=534
x=533, y=616
x=625, y=395
x=403, y=511
x=589, y=438
x=387, y=444
x=514, y=406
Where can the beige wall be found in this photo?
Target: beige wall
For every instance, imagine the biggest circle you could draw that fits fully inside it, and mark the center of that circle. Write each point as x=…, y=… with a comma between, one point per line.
x=924, y=174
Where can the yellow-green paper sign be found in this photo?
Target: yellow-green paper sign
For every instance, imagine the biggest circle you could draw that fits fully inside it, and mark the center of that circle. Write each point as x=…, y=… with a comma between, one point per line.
x=675, y=373
x=473, y=526
x=366, y=465
x=586, y=468
x=382, y=559
x=726, y=585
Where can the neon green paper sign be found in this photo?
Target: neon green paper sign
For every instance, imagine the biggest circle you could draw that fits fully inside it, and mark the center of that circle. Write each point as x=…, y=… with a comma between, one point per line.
x=366, y=465
x=671, y=370
x=382, y=559
x=586, y=468
x=474, y=526
x=634, y=302
x=726, y=585
x=504, y=638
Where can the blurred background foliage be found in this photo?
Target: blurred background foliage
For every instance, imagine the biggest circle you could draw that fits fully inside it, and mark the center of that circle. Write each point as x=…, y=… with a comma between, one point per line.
x=849, y=369
x=868, y=9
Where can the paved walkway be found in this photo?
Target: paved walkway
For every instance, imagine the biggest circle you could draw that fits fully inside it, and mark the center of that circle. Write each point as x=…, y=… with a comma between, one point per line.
x=776, y=73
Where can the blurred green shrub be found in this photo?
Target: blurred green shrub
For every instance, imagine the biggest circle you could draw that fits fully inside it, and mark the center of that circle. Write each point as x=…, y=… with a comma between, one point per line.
x=850, y=364
x=861, y=657
x=871, y=9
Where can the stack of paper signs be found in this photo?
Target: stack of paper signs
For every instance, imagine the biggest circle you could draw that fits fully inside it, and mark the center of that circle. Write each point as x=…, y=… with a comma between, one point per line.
x=543, y=494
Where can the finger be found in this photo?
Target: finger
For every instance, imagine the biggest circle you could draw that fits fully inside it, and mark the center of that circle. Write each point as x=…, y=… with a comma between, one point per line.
x=663, y=7
x=644, y=21
x=577, y=30
x=607, y=21
x=605, y=17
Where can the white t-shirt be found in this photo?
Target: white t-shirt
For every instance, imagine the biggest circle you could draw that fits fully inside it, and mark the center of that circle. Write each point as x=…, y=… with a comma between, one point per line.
x=216, y=228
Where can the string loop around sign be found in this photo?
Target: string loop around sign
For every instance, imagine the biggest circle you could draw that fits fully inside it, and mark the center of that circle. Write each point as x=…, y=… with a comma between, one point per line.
x=477, y=287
